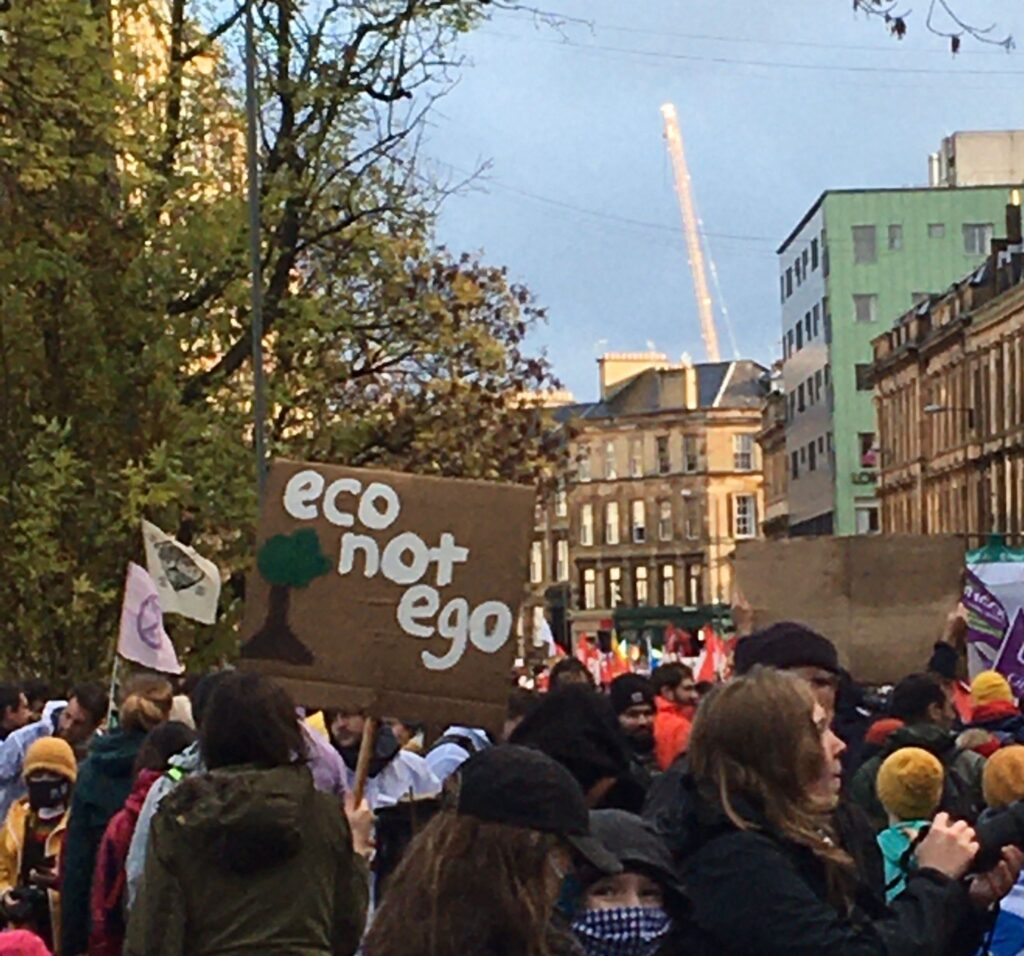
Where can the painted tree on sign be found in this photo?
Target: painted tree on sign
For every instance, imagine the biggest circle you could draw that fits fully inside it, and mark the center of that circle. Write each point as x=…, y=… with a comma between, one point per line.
x=285, y=562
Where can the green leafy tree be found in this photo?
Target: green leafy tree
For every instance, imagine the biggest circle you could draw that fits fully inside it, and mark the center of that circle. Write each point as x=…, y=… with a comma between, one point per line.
x=125, y=333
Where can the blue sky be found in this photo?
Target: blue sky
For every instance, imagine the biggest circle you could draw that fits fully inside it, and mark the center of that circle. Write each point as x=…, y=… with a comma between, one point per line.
x=579, y=202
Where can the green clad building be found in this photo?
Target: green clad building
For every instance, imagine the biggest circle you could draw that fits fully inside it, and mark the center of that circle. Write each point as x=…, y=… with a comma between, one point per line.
x=856, y=261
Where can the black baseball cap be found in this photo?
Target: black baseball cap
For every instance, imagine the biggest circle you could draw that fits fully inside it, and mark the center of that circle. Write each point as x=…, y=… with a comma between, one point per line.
x=521, y=787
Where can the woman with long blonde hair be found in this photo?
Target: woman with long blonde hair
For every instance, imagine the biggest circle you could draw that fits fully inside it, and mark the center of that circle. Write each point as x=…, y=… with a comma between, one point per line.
x=762, y=869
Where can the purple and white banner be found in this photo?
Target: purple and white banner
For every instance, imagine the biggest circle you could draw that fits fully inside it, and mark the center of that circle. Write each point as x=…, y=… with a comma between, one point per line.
x=994, y=600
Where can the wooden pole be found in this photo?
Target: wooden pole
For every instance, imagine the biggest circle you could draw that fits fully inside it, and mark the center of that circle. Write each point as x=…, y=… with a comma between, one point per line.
x=366, y=747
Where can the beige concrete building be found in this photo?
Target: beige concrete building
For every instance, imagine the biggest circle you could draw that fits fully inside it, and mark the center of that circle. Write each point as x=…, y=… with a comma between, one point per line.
x=949, y=386
x=978, y=158
x=667, y=477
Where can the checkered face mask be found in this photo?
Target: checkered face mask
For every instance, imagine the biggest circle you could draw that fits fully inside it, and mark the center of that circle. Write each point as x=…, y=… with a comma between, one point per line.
x=623, y=931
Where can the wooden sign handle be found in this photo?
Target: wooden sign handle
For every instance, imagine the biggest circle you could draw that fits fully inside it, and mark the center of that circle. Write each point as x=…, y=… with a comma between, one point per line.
x=366, y=746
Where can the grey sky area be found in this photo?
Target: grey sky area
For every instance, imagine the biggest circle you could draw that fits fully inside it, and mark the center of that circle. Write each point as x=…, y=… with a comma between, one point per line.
x=579, y=201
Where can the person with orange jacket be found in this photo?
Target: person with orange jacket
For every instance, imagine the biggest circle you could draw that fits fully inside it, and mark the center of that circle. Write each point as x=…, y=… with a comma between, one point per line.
x=675, y=704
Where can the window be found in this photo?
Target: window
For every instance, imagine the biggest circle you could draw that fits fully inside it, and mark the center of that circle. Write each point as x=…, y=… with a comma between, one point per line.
x=668, y=584
x=866, y=448
x=586, y=525
x=863, y=373
x=610, y=471
x=810, y=391
x=639, y=522
x=583, y=463
x=807, y=326
x=828, y=375
x=865, y=308
x=665, y=521
x=794, y=466
x=745, y=516
x=826, y=318
x=799, y=336
x=691, y=526
x=816, y=320
x=536, y=562
x=636, y=458
x=792, y=405
x=664, y=462
x=562, y=560
x=789, y=343
x=561, y=502
x=796, y=270
x=814, y=254
x=821, y=444
x=589, y=589
x=789, y=283
x=800, y=397
x=691, y=454
x=614, y=583
x=866, y=517
x=977, y=238
x=936, y=230
x=812, y=457
x=864, y=246
x=782, y=288
x=895, y=237
x=804, y=259
x=611, y=522
x=817, y=385
x=640, y=585
x=803, y=456
x=743, y=452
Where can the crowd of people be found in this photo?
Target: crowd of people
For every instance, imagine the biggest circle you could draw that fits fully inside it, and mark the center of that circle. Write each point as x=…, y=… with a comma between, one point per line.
x=776, y=812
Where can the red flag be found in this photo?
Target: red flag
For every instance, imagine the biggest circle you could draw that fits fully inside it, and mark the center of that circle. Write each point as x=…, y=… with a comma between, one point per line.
x=712, y=660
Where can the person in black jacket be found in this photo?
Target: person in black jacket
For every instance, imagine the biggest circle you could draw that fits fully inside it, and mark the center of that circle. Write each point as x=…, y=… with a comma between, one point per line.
x=761, y=867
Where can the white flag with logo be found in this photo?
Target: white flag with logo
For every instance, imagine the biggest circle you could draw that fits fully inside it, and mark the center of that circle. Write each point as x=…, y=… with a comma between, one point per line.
x=188, y=583
x=142, y=637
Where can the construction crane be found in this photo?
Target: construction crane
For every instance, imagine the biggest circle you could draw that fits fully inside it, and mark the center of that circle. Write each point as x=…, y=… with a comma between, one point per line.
x=691, y=229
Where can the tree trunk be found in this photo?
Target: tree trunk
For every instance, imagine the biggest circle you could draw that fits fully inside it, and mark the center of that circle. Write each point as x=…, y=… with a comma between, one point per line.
x=276, y=641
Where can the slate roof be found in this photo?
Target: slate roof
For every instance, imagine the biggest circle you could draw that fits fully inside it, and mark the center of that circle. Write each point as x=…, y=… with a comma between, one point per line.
x=659, y=390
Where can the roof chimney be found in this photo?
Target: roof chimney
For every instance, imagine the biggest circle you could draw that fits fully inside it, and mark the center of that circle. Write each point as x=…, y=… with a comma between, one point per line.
x=619, y=367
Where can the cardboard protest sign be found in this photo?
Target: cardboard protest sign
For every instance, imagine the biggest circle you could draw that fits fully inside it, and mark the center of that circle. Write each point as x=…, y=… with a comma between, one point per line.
x=881, y=599
x=388, y=592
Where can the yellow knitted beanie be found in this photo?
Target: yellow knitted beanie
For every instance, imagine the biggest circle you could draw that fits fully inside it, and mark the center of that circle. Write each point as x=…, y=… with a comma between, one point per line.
x=53, y=754
x=990, y=686
x=1003, y=778
x=909, y=784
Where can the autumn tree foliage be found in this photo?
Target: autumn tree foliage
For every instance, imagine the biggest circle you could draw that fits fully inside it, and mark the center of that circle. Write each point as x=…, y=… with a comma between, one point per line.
x=125, y=331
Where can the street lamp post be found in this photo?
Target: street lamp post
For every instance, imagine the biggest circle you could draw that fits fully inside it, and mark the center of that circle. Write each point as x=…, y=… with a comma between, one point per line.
x=935, y=409
x=255, y=266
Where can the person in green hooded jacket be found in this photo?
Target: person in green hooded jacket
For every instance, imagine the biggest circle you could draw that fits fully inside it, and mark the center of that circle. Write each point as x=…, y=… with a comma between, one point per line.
x=104, y=782
x=250, y=857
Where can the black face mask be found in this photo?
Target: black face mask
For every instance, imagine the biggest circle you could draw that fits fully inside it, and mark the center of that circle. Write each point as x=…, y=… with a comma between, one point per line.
x=48, y=794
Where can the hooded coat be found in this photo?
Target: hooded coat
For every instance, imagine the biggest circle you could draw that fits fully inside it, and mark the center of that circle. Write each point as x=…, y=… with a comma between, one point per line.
x=106, y=937
x=962, y=795
x=104, y=782
x=578, y=728
x=245, y=861
x=786, y=910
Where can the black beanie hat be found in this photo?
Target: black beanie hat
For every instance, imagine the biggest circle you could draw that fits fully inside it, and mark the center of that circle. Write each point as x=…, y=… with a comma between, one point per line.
x=786, y=645
x=630, y=690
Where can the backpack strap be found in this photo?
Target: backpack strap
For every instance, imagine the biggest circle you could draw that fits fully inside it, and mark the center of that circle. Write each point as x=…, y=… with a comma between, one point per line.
x=175, y=773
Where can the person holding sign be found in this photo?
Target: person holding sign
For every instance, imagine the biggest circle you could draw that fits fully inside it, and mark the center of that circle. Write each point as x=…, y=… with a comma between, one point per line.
x=394, y=774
